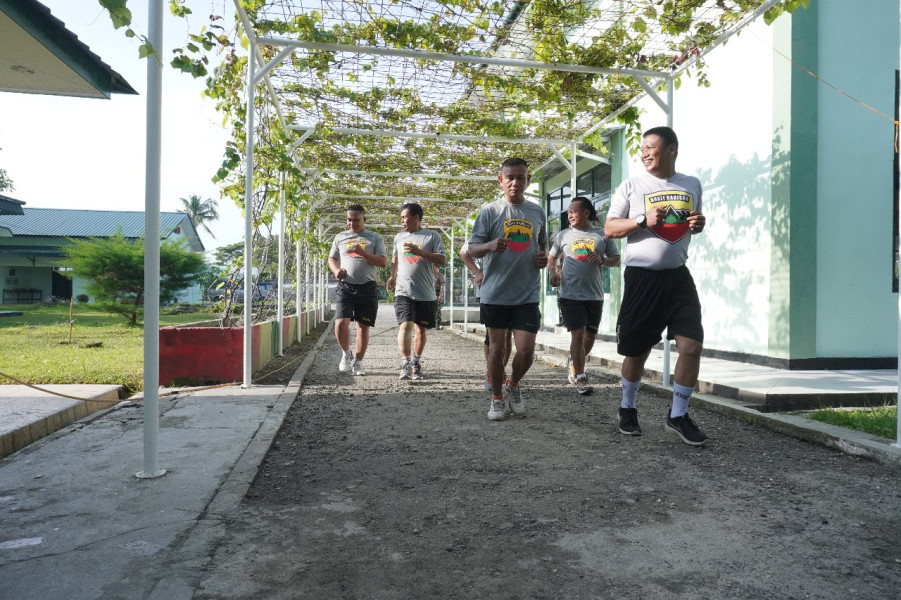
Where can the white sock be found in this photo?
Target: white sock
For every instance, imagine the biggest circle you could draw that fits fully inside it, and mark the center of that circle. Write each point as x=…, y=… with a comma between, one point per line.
x=681, y=397
x=630, y=390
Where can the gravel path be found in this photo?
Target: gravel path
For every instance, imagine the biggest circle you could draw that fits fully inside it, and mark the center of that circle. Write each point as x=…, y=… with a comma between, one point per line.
x=384, y=489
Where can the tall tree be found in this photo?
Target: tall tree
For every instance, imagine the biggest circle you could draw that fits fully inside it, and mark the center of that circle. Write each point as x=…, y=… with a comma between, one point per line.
x=200, y=211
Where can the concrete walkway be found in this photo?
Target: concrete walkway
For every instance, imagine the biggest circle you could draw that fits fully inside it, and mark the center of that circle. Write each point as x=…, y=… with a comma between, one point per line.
x=76, y=523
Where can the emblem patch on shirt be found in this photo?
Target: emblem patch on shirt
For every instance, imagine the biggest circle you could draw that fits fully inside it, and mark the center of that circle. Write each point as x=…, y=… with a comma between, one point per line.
x=679, y=205
x=348, y=244
x=409, y=256
x=581, y=249
x=519, y=233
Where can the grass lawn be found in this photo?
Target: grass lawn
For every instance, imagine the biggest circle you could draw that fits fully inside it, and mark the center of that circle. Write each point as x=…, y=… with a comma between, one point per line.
x=881, y=421
x=34, y=347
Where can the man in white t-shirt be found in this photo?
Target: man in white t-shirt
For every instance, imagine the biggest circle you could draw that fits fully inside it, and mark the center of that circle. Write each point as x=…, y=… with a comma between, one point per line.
x=658, y=212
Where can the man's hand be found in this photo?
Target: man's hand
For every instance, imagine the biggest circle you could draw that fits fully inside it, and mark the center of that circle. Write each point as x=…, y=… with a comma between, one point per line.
x=341, y=274
x=541, y=259
x=477, y=278
x=356, y=249
x=696, y=222
x=656, y=216
x=498, y=245
x=555, y=278
x=389, y=285
x=411, y=248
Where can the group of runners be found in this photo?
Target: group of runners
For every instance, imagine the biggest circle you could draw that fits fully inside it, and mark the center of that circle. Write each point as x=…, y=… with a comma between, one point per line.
x=657, y=211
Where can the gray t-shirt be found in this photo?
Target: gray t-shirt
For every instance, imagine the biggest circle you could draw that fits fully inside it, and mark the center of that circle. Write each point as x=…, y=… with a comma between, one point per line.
x=582, y=279
x=358, y=270
x=414, y=274
x=511, y=277
x=665, y=246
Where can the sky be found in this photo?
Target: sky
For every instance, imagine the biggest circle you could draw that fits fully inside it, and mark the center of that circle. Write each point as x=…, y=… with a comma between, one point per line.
x=77, y=153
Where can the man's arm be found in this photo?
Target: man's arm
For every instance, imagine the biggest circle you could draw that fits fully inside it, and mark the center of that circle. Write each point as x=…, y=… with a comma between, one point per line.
x=390, y=283
x=377, y=260
x=471, y=265
x=616, y=227
x=335, y=266
x=554, y=271
x=480, y=250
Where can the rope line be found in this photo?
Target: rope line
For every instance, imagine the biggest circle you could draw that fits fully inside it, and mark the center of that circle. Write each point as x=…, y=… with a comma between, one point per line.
x=795, y=63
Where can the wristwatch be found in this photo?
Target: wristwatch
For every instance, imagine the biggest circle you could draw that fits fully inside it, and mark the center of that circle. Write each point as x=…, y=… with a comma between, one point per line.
x=641, y=221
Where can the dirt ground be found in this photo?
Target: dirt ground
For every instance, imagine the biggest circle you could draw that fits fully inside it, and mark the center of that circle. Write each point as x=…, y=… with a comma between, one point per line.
x=384, y=489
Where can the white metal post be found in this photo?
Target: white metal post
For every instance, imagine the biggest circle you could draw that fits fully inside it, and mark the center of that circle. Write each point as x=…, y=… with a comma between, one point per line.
x=451, y=286
x=281, y=265
x=152, y=247
x=464, y=283
x=308, y=282
x=298, y=308
x=667, y=345
x=898, y=250
x=248, y=216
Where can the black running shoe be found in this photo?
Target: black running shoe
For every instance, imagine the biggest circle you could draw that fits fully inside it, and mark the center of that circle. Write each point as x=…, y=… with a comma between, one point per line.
x=628, y=421
x=686, y=429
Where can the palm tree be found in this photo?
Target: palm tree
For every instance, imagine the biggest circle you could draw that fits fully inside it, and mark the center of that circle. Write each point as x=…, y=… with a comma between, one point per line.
x=200, y=211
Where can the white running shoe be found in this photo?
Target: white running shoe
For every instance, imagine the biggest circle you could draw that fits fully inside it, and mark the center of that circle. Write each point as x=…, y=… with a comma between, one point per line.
x=496, y=410
x=416, y=375
x=346, y=359
x=358, y=367
x=406, y=370
x=514, y=398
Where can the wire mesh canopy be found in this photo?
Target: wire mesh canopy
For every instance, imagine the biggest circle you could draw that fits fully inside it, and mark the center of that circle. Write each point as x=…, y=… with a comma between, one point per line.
x=423, y=99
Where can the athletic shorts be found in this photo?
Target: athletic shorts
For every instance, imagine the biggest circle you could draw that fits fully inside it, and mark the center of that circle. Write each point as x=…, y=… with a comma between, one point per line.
x=358, y=303
x=421, y=312
x=654, y=301
x=525, y=317
x=577, y=314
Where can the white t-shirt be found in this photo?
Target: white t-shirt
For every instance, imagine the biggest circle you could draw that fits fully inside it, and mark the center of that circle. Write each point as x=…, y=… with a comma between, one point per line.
x=664, y=246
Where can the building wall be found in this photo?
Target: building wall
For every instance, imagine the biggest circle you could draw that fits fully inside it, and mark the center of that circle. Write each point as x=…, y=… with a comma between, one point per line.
x=856, y=310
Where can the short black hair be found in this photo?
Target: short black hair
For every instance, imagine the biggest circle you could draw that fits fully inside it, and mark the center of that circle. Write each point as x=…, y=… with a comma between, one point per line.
x=357, y=208
x=413, y=208
x=666, y=135
x=515, y=161
x=586, y=204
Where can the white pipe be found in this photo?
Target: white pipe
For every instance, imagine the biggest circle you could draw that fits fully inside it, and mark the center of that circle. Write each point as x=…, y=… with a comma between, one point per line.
x=447, y=136
x=667, y=345
x=307, y=280
x=464, y=283
x=450, y=319
x=461, y=58
x=281, y=264
x=248, y=219
x=152, y=247
x=298, y=308
x=400, y=174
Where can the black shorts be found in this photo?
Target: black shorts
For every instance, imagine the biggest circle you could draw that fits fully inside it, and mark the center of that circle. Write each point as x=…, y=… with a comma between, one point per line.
x=577, y=314
x=525, y=317
x=654, y=301
x=357, y=302
x=421, y=312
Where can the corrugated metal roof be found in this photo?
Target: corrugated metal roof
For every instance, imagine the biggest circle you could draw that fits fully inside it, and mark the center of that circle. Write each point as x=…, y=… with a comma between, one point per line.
x=10, y=206
x=62, y=222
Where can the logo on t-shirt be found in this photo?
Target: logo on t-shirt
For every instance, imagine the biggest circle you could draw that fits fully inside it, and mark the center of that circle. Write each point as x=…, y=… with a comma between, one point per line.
x=582, y=248
x=678, y=207
x=519, y=232
x=348, y=244
x=409, y=256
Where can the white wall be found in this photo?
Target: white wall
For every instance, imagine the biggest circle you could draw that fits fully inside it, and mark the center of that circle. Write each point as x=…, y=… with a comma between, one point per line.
x=857, y=312
x=725, y=139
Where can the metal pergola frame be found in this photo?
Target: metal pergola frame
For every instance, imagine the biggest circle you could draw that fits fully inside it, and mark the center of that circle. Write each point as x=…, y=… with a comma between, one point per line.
x=258, y=72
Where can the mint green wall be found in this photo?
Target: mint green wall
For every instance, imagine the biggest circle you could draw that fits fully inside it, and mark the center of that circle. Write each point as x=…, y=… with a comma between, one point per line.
x=856, y=311
x=793, y=273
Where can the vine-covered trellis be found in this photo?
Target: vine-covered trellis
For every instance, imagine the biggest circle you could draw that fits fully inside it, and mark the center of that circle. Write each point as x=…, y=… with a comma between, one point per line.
x=388, y=100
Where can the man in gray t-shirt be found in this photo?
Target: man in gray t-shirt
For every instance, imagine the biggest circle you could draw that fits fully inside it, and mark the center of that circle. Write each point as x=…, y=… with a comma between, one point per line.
x=583, y=252
x=416, y=250
x=510, y=236
x=658, y=212
x=354, y=259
